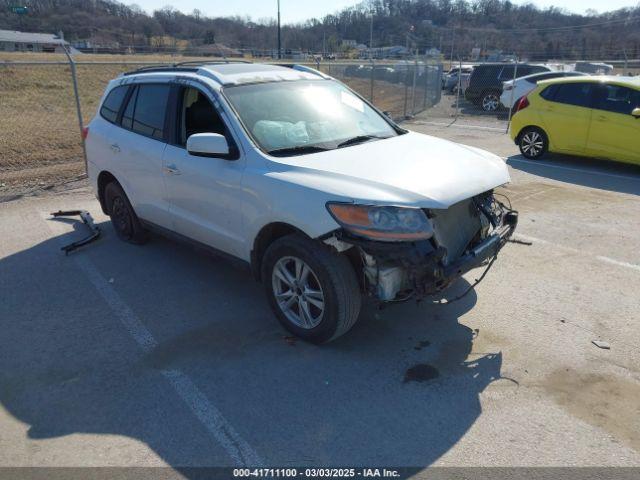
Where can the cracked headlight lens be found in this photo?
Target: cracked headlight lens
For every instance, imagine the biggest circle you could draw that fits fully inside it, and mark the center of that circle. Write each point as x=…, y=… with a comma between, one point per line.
x=390, y=224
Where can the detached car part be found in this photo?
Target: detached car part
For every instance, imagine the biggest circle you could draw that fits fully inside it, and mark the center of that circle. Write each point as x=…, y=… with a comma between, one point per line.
x=87, y=219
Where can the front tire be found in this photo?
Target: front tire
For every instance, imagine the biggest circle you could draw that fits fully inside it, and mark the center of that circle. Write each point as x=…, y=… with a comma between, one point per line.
x=533, y=143
x=312, y=290
x=124, y=219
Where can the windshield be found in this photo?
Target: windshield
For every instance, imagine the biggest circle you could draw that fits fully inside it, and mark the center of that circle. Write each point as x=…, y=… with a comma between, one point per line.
x=306, y=116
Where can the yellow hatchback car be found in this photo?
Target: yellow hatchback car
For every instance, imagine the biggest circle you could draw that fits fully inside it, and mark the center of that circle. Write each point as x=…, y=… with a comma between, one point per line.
x=590, y=116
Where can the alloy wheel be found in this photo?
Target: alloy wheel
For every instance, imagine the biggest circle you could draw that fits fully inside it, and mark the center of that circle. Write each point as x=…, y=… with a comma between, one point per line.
x=298, y=292
x=532, y=143
x=490, y=102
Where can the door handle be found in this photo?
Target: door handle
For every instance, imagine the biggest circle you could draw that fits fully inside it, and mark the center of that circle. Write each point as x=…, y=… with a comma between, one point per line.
x=601, y=118
x=172, y=169
x=115, y=148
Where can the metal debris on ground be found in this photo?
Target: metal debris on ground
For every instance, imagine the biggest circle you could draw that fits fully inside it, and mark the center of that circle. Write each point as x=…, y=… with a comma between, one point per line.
x=601, y=344
x=87, y=219
x=520, y=242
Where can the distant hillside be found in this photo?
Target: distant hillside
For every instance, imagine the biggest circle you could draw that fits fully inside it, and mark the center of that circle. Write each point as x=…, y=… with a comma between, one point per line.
x=463, y=25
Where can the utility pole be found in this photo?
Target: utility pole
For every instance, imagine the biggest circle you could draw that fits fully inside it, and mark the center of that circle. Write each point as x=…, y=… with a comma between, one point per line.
x=279, y=38
x=324, y=43
x=453, y=41
x=371, y=36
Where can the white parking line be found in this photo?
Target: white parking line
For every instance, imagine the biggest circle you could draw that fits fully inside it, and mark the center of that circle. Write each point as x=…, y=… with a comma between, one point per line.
x=611, y=261
x=236, y=447
x=572, y=169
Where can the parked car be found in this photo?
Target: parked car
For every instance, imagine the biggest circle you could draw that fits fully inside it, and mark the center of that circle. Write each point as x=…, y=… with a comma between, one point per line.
x=590, y=116
x=292, y=172
x=465, y=78
x=514, y=90
x=485, y=84
x=594, y=68
x=452, y=78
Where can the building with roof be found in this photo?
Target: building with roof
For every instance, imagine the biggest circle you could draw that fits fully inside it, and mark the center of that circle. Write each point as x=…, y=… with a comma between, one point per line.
x=14, y=41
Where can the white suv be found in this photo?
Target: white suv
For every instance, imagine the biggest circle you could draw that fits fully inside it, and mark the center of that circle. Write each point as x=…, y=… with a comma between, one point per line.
x=291, y=171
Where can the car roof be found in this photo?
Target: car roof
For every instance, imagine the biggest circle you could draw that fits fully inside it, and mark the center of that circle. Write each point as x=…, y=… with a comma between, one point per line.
x=508, y=64
x=232, y=73
x=633, y=82
x=568, y=74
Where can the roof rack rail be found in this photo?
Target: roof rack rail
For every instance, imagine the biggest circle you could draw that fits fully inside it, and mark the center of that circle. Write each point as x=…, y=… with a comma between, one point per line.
x=160, y=68
x=205, y=62
x=189, y=66
x=304, y=68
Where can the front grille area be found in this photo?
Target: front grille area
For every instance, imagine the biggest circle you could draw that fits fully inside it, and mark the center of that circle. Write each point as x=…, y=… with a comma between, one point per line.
x=455, y=227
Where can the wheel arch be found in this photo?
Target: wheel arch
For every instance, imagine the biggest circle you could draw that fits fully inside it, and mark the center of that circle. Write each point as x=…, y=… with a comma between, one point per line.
x=104, y=179
x=531, y=125
x=265, y=237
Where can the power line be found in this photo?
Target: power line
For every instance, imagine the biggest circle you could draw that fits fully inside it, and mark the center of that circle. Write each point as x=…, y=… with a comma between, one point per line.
x=550, y=29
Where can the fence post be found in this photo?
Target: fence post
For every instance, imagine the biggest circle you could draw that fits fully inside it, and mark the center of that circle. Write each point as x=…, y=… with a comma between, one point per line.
x=72, y=65
x=413, y=88
x=513, y=91
x=373, y=68
x=459, y=89
x=426, y=86
x=406, y=90
x=626, y=62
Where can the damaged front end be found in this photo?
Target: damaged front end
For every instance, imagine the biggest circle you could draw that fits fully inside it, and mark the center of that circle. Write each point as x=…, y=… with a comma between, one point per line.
x=467, y=235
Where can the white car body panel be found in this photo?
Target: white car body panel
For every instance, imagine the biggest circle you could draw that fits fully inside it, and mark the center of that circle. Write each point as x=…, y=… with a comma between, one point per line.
x=512, y=92
x=411, y=169
x=225, y=203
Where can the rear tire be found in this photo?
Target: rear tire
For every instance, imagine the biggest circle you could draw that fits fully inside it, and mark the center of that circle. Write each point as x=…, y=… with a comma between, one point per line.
x=312, y=290
x=533, y=143
x=124, y=219
x=490, y=101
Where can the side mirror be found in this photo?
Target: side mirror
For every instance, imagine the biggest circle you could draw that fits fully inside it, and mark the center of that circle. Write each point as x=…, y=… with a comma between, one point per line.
x=388, y=114
x=207, y=145
x=636, y=112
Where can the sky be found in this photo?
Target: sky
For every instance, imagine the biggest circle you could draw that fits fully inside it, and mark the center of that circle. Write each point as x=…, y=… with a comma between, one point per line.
x=299, y=10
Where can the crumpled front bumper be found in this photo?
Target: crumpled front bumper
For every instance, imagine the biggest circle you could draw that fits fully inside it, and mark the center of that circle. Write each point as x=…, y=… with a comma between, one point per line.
x=483, y=252
x=395, y=271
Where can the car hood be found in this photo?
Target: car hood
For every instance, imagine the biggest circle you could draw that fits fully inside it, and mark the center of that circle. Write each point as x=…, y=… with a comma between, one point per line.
x=410, y=169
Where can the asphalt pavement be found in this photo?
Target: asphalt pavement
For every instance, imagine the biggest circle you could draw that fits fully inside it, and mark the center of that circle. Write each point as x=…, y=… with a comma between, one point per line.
x=159, y=355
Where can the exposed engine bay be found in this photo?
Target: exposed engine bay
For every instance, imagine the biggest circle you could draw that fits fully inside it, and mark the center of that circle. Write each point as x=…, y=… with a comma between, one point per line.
x=467, y=235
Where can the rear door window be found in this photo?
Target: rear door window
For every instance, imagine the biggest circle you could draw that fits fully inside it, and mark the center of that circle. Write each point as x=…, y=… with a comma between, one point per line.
x=617, y=99
x=507, y=73
x=111, y=105
x=145, y=113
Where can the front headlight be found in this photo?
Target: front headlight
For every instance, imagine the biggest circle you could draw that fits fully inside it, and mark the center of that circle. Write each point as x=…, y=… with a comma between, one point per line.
x=388, y=224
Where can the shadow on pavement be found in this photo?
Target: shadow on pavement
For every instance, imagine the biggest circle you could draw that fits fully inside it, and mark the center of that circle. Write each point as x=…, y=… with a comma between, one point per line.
x=604, y=175
x=401, y=388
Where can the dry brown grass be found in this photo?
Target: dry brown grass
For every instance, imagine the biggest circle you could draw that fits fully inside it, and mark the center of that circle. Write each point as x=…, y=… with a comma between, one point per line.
x=39, y=131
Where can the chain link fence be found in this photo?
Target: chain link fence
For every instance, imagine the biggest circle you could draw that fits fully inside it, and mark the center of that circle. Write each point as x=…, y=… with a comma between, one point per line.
x=485, y=94
x=40, y=136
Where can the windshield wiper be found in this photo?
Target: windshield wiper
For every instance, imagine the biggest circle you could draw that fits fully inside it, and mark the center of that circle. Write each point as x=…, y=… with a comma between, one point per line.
x=359, y=139
x=300, y=149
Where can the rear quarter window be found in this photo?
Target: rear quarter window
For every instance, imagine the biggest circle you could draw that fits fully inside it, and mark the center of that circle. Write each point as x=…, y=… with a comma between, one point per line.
x=145, y=112
x=113, y=102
